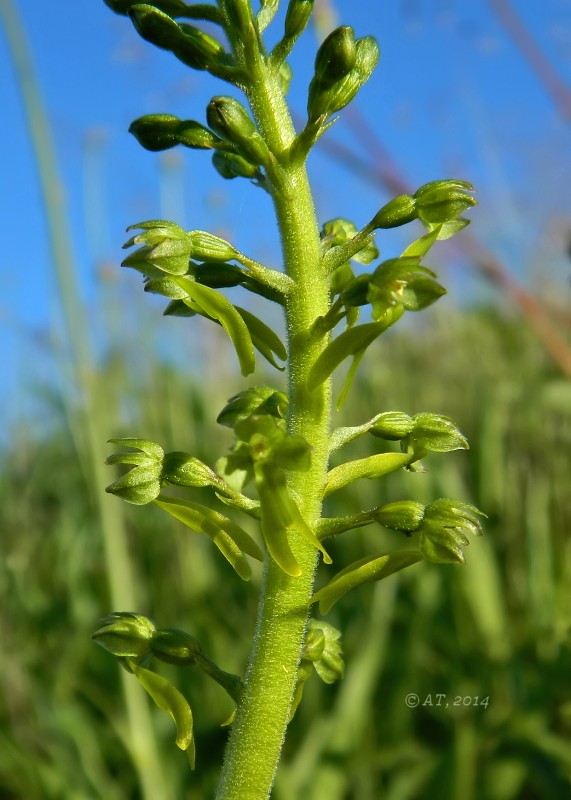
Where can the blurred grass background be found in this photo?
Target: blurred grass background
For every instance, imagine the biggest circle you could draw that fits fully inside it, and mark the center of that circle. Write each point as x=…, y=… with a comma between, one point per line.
x=73, y=726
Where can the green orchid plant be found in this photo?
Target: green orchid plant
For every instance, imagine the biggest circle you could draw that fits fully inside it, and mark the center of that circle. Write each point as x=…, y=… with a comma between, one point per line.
x=277, y=471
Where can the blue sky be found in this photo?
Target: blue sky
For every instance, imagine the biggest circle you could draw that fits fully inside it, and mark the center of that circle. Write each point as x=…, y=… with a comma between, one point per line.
x=452, y=96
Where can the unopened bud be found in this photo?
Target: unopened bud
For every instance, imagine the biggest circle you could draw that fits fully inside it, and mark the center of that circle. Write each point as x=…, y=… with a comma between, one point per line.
x=325, y=100
x=174, y=8
x=314, y=644
x=166, y=248
x=229, y=119
x=156, y=131
x=441, y=201
x=125, y=634
x=259, y=400
x=336, y=56
x=155, y=26
x=297, y=16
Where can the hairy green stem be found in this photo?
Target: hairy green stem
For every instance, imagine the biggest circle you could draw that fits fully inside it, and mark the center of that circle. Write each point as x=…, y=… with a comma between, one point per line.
x=262, y=716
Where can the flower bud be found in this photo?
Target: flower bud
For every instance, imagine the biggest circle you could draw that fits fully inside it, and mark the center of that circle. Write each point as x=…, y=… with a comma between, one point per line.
x=314, y=644
x=441, y=201
x=436, y=434
x=142, y=484
x=166, y=248
x=447, y=184
x=174, y=8
x=183, y=469
x=401, y=515
x=259, y=400
x=297, y=16
x=398, y=211
x=441, y=545
x=189, y=44
x=126, y=635
x=231, y=165
x=455, y=513
x=329, y=666
x=176, y=647
x=444, y=530
x=392, y=425
x=336, y=56
x=155, y=26
x=325, y=100
x=207, y=247
x=156, y=131
x=229, y=119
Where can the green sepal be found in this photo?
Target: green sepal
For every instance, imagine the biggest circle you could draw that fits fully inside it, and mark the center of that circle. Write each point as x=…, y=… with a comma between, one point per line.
x=150, y=449
x=321, y=652
x=139, y=486
x=125, y=634
x=420, y=293
x=443, y=201
x=165, y=248
x=328, y=663
x=370, y=467
x=420, y=247
x=228, y=537
x=444, y=530
x=264, y=339
x=257, y=400
x=168, y=698
x=371, y=568
x=219, y=308
x=434, y=433
x=442, y=545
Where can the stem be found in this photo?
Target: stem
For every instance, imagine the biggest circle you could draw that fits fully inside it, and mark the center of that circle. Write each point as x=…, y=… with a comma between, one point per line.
x=259, y=729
